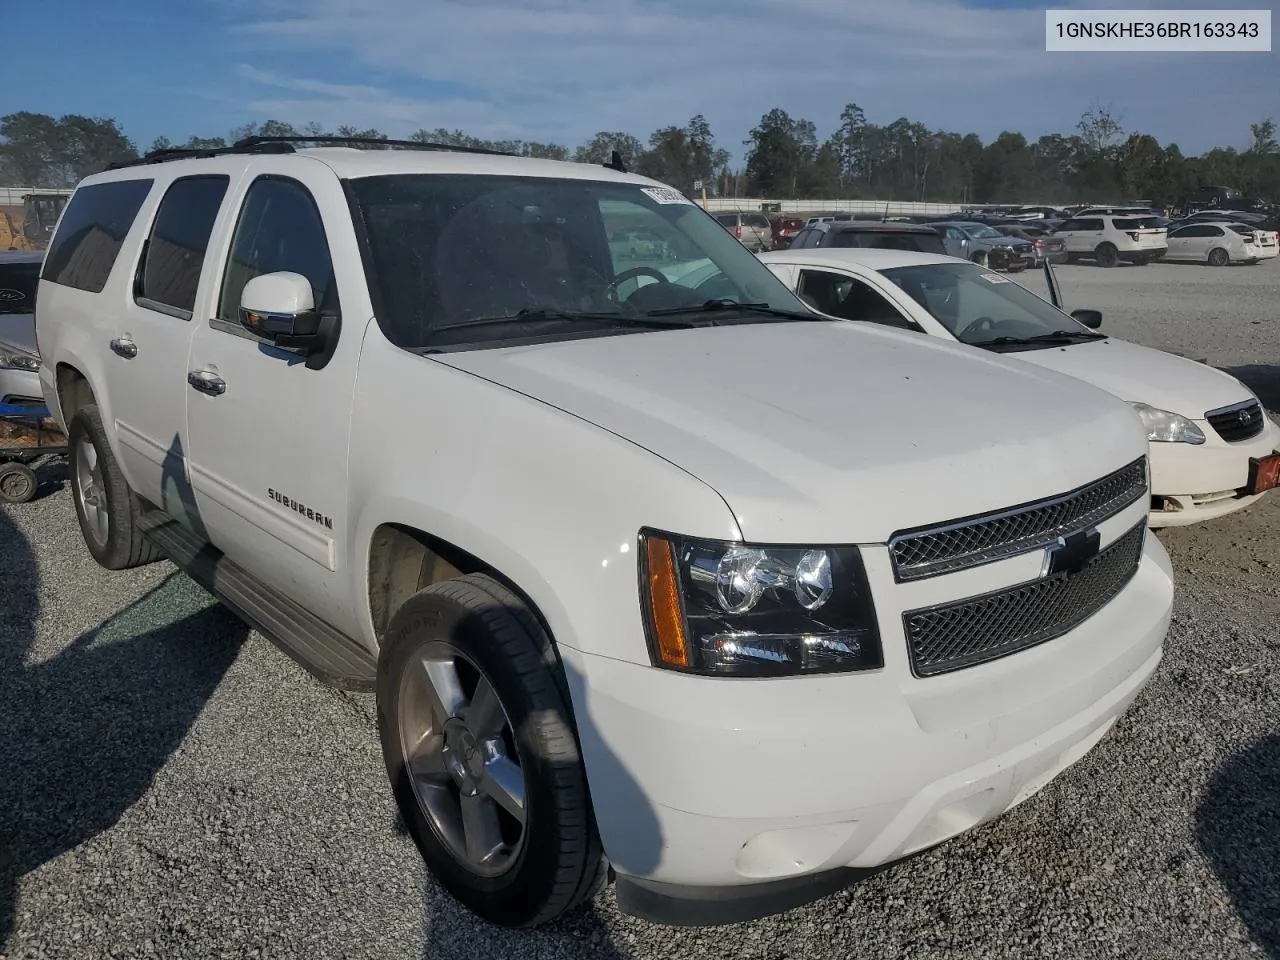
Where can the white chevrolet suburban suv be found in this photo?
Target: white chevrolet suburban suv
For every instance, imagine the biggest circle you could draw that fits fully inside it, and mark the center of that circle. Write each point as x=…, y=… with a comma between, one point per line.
x=658, y=576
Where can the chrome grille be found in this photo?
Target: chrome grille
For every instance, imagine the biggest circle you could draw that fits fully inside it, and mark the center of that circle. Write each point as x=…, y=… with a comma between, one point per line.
x=945, y=548
x=1240, y=421
x=976, y=630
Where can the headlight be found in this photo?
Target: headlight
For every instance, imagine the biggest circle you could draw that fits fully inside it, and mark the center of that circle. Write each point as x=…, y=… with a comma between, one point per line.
x=742, y=610
x=1167, y=427
x=19, y=361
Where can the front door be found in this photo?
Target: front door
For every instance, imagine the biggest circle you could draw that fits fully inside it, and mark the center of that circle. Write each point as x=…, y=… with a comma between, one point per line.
x=268, y=435
x=150, y=340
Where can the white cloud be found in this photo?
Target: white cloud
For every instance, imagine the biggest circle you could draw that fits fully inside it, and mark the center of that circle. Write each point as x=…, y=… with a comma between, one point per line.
x=562, y=69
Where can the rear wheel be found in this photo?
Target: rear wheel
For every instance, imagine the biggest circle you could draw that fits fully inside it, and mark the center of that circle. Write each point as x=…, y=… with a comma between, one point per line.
x=481, y=751
x=17, y=483
x=108, y=510
x=1107, y=255
x=1219, y=257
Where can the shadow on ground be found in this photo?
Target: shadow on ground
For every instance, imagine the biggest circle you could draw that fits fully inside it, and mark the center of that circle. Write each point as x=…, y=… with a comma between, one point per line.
x=1238, y=828
x=86, y=730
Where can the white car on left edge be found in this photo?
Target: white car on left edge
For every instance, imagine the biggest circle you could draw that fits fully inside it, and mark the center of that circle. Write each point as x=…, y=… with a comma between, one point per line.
x=1213, y=449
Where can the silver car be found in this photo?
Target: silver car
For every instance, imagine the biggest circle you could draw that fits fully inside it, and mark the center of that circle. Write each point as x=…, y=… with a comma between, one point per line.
x=753, y=229
x=19, y=359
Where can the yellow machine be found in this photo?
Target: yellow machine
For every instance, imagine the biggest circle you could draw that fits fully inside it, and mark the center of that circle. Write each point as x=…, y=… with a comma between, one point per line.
x=30, y=226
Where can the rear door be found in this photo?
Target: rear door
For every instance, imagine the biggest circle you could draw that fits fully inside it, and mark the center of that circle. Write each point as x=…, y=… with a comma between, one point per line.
x=150, y=336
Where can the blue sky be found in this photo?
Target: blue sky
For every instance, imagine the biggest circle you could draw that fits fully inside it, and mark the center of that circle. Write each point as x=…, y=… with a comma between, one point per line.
x=559, y=70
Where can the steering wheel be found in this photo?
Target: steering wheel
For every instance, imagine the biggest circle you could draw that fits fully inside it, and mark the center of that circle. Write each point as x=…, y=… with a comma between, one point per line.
x=631, y=274
x=981, y=325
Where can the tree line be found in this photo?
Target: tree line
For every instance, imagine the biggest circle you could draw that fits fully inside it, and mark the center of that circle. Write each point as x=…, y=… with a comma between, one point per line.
x=1097, y=161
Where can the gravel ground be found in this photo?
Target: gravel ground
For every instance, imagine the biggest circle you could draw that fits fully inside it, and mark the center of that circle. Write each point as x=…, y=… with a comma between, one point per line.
x=172, y=786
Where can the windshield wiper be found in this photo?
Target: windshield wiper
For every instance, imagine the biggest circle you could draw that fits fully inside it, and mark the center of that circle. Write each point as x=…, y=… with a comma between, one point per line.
x=1058, y=336
x=725, y=303
x=542, y=313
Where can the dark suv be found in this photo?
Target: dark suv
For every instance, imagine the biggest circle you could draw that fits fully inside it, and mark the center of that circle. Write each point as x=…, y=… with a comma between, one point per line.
x=871, y=233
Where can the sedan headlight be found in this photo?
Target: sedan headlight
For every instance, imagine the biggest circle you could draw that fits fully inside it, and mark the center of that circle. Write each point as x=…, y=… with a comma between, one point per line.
x=10, y=360
x=743, y=610
x=1167, y=427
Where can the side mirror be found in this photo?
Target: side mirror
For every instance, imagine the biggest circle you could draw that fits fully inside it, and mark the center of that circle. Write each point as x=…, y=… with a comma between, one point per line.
x=280, y=308
x=1090, y=318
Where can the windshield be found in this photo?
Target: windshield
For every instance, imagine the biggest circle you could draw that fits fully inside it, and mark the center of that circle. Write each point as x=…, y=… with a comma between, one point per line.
x=976, y=305
x=18, y=283
x=450, y=256
x=983, y=232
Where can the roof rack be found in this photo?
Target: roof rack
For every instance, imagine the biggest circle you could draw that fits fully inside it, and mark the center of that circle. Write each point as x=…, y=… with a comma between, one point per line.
x=285, y=144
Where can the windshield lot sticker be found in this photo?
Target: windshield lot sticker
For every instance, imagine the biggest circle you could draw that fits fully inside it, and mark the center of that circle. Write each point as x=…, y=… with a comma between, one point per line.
x=995, y=278
x=664, y=195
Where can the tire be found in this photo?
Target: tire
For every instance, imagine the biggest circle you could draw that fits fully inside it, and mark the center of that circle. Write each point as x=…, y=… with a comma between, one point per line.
x=110, y=520
x=981, y=259
x=475, y=630
x=1107, y=255
x=18, y=483
x=1219, y=257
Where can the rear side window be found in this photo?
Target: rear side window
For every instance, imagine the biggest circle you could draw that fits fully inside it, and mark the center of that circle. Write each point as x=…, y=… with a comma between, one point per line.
x=91, y=232
x=728, y=219
x=179, y=238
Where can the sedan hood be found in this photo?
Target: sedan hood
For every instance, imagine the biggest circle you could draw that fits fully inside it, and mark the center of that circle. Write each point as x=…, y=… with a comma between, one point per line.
x=831, y=432
x=18, y=332
x=1137, y=373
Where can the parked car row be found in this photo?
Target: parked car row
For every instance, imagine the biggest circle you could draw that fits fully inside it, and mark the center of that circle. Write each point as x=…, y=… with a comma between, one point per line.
x=669, y=524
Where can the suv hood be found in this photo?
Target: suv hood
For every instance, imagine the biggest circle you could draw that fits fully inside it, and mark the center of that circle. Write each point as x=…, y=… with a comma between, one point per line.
x=831, y=432
x=1137, y=373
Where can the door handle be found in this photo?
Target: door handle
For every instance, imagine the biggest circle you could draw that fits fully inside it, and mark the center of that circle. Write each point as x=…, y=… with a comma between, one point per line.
x=124, y=347
x=207, y=382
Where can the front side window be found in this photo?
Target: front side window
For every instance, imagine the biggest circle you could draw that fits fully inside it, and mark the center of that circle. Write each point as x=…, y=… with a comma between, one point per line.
x=18, y=283
x=465, y=260
x=175, y=250
x=980, y=307
x=279, y=229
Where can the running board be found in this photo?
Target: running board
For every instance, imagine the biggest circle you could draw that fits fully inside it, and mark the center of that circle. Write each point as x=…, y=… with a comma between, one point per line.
x=330, y=656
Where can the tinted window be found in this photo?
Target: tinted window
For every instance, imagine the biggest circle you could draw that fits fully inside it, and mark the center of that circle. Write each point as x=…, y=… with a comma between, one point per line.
x=728, y=219
x=1242, y=230
x=758, y=221
x=279, y=229
x=805, y=238
x=930, y=242
x=1135, y=223
x=179, y=237
x=18, y=282
x=91, y=232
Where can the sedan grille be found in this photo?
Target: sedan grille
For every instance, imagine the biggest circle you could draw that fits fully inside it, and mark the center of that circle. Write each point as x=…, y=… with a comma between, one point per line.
x=945, y=548
x=1241, y=421
x=976, y=630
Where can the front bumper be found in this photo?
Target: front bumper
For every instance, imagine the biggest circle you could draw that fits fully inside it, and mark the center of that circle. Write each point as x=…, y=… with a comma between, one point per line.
x=1003, y=258
x=722, y=800
x=1193, y=483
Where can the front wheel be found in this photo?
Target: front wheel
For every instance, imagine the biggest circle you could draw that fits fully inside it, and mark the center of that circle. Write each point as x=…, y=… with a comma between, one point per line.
x=981, y=259
x=482, y=754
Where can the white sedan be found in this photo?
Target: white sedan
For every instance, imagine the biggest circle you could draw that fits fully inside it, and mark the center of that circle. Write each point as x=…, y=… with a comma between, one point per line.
x=1220, y=243
x=1213, y=449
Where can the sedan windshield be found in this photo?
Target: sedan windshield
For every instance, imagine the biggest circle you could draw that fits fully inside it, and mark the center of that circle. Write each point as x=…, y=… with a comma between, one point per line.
x=466, y=261
x=986, y=309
